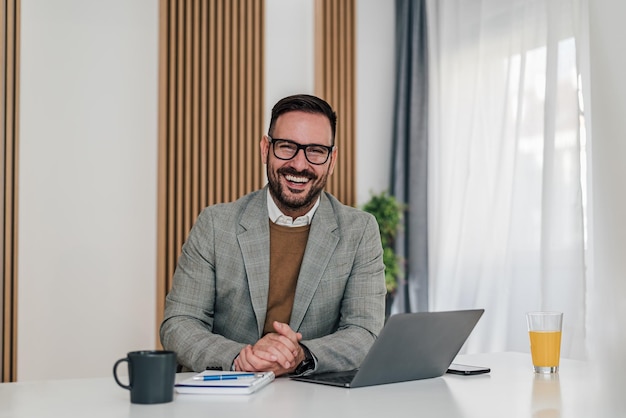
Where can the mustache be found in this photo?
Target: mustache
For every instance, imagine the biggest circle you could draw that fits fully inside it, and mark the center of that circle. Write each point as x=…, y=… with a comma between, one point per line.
x=304, y=173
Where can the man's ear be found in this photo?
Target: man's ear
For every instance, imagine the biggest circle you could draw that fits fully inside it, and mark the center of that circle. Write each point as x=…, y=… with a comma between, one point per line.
x=265, y=146
x=333, y=161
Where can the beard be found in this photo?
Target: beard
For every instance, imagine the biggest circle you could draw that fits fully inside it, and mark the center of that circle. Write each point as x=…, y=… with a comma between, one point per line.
x=290, y=200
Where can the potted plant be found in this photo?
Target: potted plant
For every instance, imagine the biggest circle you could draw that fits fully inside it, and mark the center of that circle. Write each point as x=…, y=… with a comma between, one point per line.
x=388, y=213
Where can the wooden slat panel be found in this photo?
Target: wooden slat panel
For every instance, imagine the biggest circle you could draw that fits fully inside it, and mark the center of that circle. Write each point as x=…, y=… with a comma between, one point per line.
x=211, y=115
x=334, y=81
x=9, y=116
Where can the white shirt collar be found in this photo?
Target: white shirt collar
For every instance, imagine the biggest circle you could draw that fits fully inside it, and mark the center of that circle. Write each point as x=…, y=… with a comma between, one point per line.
x=280, y=218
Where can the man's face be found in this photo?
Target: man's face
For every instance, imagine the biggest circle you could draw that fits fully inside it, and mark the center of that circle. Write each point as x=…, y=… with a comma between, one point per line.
x=295, y=184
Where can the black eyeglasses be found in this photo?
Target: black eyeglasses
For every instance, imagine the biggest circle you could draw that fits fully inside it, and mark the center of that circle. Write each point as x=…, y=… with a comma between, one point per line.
x=285, y=149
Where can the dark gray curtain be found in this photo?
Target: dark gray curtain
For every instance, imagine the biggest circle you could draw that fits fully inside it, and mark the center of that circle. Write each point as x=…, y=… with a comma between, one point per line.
x=409, y=177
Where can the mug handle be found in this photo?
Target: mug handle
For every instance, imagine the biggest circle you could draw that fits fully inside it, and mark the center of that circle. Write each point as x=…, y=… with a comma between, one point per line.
x=115, y=373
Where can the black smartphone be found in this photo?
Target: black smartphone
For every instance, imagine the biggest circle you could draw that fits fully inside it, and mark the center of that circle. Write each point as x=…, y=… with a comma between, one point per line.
x=467, y=370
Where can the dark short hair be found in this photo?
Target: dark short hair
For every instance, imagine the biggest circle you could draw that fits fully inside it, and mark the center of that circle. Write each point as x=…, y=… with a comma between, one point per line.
x=304, y=103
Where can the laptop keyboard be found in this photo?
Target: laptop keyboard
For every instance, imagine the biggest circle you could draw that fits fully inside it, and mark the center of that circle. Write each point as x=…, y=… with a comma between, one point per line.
x=337, y=377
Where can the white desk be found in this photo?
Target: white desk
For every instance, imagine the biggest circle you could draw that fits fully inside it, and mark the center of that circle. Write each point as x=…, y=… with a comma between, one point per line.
x=510, y=390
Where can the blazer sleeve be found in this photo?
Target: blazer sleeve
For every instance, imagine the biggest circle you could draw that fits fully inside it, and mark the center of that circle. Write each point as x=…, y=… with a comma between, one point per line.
x=188, y=324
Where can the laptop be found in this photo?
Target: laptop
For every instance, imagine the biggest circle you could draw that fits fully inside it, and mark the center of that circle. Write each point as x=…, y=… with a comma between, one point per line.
x=411, y=346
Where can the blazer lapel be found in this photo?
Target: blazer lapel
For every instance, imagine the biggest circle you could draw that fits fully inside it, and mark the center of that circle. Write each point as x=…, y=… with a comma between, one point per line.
x=254, y=243
x=322, y=242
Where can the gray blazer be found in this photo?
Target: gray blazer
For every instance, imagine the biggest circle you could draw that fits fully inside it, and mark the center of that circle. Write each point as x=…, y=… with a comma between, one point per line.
x=218, y=299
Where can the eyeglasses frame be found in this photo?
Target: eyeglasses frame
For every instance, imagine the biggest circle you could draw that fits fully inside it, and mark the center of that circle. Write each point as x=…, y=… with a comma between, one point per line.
x=298, y=148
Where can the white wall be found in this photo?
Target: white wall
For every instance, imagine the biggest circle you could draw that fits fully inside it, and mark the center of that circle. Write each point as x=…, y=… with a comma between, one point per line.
x=375, y=84
x=88, y=164
x=87, y=199
x=289, y=53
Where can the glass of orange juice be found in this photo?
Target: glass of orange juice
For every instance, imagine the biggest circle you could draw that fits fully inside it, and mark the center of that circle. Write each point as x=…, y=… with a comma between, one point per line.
x=544, y=329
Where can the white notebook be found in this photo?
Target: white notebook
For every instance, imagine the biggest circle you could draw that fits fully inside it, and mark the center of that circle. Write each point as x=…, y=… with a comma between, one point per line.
x=224, y=383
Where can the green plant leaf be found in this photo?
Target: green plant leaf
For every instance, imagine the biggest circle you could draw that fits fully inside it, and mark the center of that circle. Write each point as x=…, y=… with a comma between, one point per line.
x=388, y=213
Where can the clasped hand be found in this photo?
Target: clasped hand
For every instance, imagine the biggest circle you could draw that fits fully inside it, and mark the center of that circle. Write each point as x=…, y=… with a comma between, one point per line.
x=279, y=352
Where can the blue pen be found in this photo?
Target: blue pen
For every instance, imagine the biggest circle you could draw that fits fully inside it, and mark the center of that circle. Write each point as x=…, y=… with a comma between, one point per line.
x=232, y=376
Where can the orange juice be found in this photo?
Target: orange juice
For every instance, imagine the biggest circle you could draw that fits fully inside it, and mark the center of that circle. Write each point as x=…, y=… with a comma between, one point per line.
x=545, y=347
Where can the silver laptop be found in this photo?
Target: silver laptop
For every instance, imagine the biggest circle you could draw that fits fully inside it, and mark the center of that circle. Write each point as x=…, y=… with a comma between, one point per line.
x=411, y=346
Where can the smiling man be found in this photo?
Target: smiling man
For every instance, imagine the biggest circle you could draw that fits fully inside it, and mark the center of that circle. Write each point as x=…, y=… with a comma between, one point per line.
x=285, y=279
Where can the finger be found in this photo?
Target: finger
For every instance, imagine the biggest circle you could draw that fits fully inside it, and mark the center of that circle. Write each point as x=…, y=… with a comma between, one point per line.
x=266, y=354
x=264, y=345
x=248, y=361
x=290, y=338
x=275, y=348
x=241, y=362
x=283, y=356
x=254, y=362
x=286, y=331
x=278, y=367
x=278, y=371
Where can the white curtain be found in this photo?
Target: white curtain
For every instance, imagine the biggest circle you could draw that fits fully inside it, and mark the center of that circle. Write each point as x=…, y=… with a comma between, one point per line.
x=506, y=199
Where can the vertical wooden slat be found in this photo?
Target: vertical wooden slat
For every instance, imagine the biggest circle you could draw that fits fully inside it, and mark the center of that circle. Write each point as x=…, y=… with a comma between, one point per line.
x=234, y=135
x=231, y=139
x=227, y=97
x=249, y=134
x=219, y=105
x=203, y=45
x=9, y=127
x=331, y=79
x=350, y=104
x=212, y=93
x=210, y=112
x=4, y=110
x=334, y=81
x=342, y=81
x=240, y=118
x=186, y=111
x=326, y=88
x=195, y=120
x=258, y=88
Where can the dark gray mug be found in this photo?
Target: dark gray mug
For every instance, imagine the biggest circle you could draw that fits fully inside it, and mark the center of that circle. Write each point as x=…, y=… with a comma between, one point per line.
x=151, y=376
